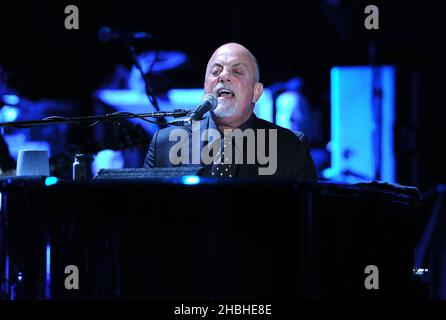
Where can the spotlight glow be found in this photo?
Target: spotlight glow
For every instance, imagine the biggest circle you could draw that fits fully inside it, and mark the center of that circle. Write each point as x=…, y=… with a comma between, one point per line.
x=50, y=181
x=191, y=180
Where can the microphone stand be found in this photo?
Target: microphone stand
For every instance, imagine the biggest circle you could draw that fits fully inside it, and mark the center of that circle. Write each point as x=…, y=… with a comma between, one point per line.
x=145, y=76
x=93, y=120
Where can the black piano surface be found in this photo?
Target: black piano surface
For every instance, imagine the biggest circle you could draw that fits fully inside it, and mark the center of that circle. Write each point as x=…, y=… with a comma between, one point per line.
x=173, y=238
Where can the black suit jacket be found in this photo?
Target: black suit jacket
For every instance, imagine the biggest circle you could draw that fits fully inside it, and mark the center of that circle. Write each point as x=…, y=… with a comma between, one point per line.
x=293, y=151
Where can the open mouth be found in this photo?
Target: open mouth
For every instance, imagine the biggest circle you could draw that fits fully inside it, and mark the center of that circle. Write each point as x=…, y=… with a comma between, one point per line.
x=224, y=93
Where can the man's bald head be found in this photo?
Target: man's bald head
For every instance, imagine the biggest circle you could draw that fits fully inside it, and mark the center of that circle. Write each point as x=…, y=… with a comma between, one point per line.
x=233, y=46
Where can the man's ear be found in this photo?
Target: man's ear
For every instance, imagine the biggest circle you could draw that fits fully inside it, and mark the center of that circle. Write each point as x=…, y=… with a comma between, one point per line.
x=258, y=90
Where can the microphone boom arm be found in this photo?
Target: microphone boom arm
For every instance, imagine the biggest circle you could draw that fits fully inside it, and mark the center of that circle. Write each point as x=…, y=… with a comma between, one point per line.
x=93, y=120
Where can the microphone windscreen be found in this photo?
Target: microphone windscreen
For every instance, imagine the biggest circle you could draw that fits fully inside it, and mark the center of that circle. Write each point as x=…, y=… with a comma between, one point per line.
x=213, y=101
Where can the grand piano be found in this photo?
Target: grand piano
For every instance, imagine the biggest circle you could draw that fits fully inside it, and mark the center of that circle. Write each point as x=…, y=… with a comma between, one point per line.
x=201, y=239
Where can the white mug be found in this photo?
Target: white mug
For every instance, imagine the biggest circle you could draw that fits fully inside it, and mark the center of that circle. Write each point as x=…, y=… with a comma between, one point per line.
x=33, y=163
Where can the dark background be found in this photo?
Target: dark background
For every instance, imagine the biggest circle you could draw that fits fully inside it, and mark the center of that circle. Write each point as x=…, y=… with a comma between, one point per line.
x=289, y=38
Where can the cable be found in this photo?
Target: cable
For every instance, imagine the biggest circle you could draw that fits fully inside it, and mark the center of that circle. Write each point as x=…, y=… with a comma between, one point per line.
x=122, y=113
x=77, y=123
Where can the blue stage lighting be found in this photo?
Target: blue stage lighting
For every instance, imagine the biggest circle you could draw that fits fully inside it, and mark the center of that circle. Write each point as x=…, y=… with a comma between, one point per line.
x=191, y=180
x=353, y=127
x=9, y=113
x=51, y=181
x=11, y=99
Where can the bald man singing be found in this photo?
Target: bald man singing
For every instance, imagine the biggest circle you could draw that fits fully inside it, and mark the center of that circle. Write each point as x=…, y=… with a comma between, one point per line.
x=230, y=141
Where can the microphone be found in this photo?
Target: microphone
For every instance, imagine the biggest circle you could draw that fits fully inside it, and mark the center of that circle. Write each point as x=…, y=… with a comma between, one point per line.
x=106, y=34
x=209, y=103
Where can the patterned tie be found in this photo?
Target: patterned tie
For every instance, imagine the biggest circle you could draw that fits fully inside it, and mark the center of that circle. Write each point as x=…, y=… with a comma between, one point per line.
x=222, y=167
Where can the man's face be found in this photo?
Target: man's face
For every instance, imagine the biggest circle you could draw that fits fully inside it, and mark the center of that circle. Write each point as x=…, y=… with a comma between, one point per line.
x=230, y=75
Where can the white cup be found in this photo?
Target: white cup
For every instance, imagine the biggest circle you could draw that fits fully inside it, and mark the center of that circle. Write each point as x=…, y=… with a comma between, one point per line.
x=33, y=163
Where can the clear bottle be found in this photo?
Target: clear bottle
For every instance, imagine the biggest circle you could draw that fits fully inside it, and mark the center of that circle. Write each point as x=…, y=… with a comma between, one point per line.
x=80, y=167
